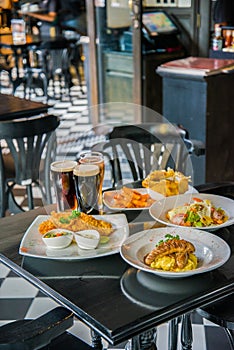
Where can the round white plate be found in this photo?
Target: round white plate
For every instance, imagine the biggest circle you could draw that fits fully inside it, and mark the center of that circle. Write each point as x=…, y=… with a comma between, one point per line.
x=159, y=209
x=157, y=196
x=211, y=251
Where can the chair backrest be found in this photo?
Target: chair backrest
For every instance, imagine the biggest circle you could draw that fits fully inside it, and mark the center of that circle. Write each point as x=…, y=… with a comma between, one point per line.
x=27, y=140
x=56, y=53
x=132, y=151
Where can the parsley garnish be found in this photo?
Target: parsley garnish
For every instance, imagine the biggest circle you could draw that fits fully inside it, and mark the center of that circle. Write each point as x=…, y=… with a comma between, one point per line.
x=74, y=214
x=167, y=238
x=64, y=221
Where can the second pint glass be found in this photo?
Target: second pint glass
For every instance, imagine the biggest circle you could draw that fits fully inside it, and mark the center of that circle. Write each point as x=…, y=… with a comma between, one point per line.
x=87, y=184
x=96, y=158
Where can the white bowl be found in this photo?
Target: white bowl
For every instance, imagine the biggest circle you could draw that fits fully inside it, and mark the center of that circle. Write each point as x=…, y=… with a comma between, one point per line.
x=58, y=242
x=87, y=239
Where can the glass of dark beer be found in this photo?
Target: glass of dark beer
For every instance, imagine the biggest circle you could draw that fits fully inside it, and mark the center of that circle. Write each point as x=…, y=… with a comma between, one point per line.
x=63, y=183
x=87, y=185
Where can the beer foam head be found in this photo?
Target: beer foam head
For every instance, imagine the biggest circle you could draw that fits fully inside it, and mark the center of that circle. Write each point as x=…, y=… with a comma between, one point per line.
x=63, y=165
x=86, y=170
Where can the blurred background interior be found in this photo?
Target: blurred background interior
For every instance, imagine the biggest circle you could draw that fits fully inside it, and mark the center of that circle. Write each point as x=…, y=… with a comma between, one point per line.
x=111, y=50
x=74, y=55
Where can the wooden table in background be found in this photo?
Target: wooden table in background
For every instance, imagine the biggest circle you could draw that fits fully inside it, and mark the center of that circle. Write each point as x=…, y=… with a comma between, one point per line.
x=12, y=107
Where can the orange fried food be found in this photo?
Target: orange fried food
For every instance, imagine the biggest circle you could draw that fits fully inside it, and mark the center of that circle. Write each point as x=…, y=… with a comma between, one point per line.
x=46, y=226
x=82, y=222
x=129, y=198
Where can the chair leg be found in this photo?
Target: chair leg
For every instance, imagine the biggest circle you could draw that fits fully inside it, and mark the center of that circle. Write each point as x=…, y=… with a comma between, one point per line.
x=28, y=84
x=30, y=197
x=173, y=334
x=12, y=205
x=3, y=189
x=3, y=201
x=230, y=337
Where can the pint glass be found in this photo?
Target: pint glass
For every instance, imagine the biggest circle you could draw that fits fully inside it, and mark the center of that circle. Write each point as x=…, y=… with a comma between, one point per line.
x=63, y=183
x=96, y=158
x=87, y=185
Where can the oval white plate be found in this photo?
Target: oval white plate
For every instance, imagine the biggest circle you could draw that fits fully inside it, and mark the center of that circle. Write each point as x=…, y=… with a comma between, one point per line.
x=109, y=201
x=211, y=251
x=159, y=209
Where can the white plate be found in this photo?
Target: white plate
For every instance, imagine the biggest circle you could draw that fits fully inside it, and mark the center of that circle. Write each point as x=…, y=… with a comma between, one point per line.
x=109, y=201
x=211, y=250
x=157, y=196
x=33, y=246
x=159, y=209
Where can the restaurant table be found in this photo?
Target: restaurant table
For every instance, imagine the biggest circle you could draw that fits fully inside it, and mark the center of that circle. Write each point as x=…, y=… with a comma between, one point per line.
x=105, y=293
x=12, y=107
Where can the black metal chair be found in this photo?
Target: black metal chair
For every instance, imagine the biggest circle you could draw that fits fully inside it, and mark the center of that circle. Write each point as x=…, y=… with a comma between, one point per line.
x=45, y=332
x=139, y=149
x=6, y=67
x=75, y=52
x=50, y=63
x=31, y=145
x=221, y=313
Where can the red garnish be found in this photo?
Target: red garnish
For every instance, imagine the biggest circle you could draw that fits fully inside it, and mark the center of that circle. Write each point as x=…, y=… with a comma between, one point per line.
x=197, y=199
x=24, y=249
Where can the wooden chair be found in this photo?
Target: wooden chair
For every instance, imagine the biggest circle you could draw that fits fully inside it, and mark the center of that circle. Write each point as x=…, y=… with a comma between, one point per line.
x=139, y=149
x=32, y=145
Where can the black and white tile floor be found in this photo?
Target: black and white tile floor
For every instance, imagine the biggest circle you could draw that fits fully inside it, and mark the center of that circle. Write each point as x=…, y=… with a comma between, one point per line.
x=19, y=299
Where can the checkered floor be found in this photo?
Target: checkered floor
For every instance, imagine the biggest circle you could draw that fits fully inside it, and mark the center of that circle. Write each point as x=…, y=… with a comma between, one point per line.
x=19, y=299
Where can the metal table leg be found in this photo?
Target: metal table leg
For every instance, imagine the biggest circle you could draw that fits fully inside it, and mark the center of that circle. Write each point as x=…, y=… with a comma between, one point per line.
x=186, y=332
x=173, y=334
x=144, y=341
x=96, y=340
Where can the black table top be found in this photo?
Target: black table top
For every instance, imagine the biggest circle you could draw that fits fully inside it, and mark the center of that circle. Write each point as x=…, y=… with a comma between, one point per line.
x=108, y=294
x=12, y=107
